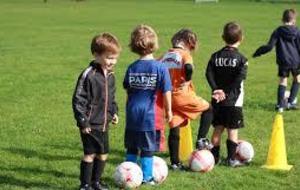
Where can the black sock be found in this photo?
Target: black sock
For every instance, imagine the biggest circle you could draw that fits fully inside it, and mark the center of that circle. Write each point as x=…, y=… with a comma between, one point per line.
x=205, y=122
x=173, y=142
x=294, y=92
x=231, y=149
x=280, y=95
x=98, y=169
x=216, y=153
x=85, y=172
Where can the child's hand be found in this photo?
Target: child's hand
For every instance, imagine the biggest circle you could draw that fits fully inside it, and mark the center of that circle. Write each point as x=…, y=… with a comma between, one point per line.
x=219, y=95
x=115, y=119
x=169, y=116
x=86, y=130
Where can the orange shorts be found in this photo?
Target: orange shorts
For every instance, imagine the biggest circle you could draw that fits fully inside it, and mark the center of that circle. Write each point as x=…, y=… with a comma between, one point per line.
x=186, y=105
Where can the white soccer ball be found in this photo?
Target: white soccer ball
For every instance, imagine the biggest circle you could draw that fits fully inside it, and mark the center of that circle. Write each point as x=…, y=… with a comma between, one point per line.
x=244, y=151
x=160, y=169
x=201, y=161
x=128, y=175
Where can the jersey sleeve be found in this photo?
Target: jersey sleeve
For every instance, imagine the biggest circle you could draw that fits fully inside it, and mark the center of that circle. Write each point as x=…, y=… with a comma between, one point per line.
x=126, y=80
x=165, y=83
x=268, y=47
x=210, y=74
x=241, y=75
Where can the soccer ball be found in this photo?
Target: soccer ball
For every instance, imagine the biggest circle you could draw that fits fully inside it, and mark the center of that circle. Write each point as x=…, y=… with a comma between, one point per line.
x=160, y=169
x=128, y=175
x=244, y=151
x=201, y=161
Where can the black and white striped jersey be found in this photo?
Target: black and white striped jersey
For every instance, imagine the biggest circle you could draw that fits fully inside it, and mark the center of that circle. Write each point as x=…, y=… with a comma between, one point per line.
x=226, y=70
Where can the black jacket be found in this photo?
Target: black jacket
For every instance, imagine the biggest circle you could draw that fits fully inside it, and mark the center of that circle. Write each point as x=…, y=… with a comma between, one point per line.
x=226, y=70
x=94, y=98
x=287, y=42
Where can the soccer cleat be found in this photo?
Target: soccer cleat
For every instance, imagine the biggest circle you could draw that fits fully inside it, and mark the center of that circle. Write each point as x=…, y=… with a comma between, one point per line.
x=203, y=143
x=291, y=106
x=149, y=182
x=100, y=186
x=178, y=167
x=235, y=163
x=85, y=187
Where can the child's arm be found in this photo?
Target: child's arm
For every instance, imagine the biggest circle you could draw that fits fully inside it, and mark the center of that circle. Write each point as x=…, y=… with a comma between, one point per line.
x=242, y=73
x=80, y=101
x=115, y=109
x=268, y=47
x=165, y=86
x=168, y=105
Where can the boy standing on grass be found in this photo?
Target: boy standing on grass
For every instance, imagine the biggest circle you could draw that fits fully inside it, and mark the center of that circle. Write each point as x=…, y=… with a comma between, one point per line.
x=185, y=104
x=144, y=79
x=286, y=39
x=226, y=71
x=94, y=107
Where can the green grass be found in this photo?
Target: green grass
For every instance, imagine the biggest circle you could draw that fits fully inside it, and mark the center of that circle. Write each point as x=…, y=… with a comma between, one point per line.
x=44, y=47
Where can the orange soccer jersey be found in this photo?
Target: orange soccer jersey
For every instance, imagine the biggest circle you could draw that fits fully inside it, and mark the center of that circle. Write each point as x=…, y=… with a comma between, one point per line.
x=185, y=103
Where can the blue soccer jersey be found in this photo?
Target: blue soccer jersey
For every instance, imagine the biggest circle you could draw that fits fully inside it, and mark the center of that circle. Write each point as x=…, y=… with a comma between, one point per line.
x=143, y=79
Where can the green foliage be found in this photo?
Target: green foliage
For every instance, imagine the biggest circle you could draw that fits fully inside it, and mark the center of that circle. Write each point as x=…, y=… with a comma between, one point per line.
x=44, y=47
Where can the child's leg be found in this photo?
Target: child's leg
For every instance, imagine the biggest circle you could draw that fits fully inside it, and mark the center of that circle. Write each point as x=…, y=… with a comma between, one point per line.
x=205, y=122
x=216, y=141
x=173, y=142
x=232, y=143
x=98, y=168
x=147, y=165
x=294, y=89
x=280, y=92
x=131, y=154
x=86, y=168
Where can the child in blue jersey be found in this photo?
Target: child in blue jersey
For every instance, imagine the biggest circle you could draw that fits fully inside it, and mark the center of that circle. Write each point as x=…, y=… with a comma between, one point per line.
x=144, y=78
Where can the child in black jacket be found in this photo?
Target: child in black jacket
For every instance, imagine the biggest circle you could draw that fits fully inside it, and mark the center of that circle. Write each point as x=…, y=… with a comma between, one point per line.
x=286, y=39
x=94, y=107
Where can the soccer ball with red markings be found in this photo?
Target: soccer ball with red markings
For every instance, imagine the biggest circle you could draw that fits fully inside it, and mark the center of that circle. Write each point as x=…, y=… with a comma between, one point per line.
x=160, y=169
x=201, y=161
x=128, y=175
x=244, y=151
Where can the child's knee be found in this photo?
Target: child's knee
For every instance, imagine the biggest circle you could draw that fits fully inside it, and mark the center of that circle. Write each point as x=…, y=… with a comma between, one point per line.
x=283, y=81
x=297, y=78
x=89, y=157
x=102, y=157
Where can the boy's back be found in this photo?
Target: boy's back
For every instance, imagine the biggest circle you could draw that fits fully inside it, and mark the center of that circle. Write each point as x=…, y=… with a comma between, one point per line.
x=226, y=70
x=144, y=78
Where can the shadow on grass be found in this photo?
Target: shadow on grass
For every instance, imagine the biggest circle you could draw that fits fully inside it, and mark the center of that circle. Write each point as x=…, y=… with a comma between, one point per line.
x=38, y=154
x=37, y=171
x=9, y=180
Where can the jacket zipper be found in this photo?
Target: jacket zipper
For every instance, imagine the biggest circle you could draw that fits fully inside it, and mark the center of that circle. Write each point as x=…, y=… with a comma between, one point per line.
x=106, y=102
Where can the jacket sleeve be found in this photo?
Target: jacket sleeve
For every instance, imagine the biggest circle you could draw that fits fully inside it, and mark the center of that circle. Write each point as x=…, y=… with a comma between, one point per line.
x=241, y=75
x=268, y=47
x=80, y=101
x=210, y=76
x=115, y=108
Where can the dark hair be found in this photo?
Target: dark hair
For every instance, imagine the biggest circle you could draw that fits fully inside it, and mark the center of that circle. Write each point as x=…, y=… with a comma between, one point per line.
x=105, y=42
x=143, y=40
x=288, y=15
x=232, y=33
x=186, y=36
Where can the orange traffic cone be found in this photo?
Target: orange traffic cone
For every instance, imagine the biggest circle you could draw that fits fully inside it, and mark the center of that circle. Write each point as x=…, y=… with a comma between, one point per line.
x=277, y=158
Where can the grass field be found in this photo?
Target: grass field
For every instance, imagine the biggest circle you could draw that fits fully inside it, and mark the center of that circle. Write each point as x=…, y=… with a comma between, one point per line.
x=43, y=48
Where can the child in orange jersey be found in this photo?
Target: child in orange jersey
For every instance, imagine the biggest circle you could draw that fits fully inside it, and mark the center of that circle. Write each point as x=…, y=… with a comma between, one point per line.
x=185, y=103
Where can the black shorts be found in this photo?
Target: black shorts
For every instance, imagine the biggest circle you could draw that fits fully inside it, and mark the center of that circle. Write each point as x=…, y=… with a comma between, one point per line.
x=95, y=142
x=228, y=116
x=285, y=72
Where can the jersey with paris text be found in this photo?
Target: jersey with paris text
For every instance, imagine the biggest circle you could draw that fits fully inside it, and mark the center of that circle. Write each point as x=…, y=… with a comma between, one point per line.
x=227, y=70
x=144, y=79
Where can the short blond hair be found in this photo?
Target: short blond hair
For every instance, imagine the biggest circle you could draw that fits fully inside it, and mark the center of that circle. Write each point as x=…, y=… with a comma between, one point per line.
x=143, y=40
x=105, y=42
